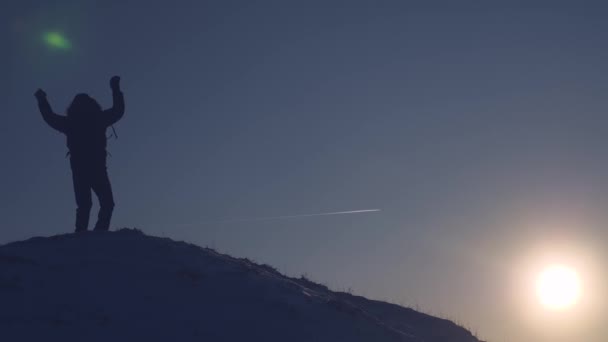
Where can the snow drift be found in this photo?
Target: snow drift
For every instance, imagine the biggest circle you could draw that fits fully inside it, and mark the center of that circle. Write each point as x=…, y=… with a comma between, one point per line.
x=126, y=286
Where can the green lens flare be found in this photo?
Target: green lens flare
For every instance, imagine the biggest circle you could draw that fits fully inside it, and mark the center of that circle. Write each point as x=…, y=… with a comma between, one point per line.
x=56, y=40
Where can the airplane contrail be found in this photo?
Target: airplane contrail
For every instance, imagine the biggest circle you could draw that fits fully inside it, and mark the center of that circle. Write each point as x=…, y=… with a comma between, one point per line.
x=286, y=217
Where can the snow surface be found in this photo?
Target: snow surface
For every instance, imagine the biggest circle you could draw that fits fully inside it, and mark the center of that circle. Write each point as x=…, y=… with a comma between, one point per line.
x=126, y=286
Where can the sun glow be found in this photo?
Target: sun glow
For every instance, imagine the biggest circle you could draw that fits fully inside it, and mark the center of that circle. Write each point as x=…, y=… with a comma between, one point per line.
x=558, y=287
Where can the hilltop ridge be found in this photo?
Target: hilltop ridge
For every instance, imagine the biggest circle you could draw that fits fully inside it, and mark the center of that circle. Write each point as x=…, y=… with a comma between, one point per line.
x=125, y=285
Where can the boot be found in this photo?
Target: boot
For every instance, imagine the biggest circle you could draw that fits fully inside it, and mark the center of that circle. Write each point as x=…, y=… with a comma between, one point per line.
x=103, y=219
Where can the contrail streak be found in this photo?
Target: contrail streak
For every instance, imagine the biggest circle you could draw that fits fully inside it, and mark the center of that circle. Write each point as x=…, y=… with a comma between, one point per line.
x=287, y=217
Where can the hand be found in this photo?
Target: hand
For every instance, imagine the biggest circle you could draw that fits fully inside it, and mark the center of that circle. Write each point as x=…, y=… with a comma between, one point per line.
x=40, y=94
x=115, y=83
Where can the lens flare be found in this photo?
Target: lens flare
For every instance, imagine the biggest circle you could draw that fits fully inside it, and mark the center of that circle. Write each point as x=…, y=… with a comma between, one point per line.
x=56, y=40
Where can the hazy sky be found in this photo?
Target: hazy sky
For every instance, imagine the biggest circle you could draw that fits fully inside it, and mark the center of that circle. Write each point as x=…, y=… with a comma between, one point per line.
x=479, y=130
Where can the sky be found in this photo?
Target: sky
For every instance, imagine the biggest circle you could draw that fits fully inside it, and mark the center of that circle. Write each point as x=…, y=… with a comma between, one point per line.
x=478, y=130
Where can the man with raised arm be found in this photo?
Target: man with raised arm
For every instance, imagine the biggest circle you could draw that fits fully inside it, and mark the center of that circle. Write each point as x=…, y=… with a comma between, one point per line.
x=85, y=126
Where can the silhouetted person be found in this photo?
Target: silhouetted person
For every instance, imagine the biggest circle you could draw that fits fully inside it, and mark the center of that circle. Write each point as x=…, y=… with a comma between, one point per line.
x=85, y=127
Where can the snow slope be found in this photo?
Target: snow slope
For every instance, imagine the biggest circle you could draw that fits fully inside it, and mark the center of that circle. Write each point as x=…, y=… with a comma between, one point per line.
x=126, y=286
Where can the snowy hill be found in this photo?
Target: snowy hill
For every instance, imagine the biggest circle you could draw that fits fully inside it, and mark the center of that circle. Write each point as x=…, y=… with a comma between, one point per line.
x=126, y=286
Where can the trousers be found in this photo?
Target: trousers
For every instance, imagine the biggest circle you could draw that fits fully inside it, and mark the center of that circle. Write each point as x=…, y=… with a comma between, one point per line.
x=87, y=175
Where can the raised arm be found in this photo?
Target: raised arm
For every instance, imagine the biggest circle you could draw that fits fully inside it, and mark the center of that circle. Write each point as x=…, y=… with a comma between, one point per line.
x=115, y=113
x=57, y=122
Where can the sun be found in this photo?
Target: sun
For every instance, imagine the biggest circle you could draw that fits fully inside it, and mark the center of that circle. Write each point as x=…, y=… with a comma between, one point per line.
x=558, y=287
